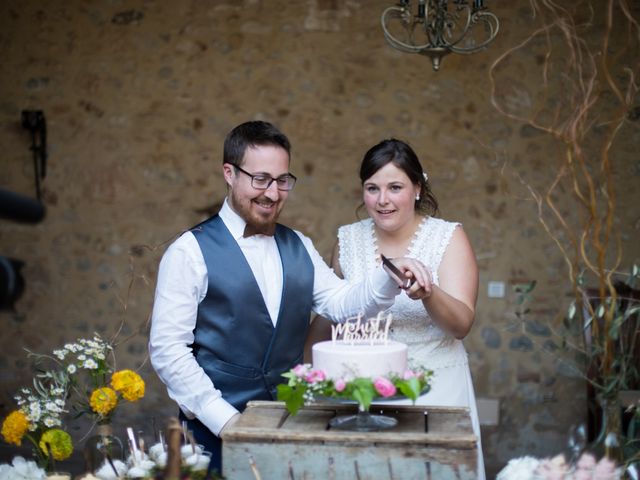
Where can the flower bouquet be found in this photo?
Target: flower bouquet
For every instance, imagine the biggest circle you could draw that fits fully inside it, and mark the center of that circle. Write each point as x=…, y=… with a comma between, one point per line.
x=99, y=388
x=84, y=370
x=306, y=384
x=38, y=419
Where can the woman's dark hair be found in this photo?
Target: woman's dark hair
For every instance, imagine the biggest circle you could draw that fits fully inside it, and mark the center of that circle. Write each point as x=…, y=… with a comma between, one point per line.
x=252, y=134
x=403, y=157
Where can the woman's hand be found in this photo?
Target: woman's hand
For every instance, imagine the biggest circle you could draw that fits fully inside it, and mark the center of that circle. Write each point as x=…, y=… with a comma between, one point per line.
x=420, y=278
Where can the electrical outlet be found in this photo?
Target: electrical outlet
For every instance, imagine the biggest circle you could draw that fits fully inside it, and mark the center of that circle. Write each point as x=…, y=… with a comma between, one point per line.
x=496, y=289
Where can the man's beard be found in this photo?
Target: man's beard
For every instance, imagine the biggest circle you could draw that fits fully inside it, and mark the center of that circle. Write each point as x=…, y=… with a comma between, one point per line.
x=247, y=211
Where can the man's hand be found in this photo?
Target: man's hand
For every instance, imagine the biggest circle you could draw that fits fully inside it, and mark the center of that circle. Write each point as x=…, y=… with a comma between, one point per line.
x=229, y=423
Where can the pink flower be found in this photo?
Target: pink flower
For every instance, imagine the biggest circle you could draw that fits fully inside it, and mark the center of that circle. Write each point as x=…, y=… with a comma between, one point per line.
x=339, y=385
x=300, y=370
x=384, y=387
x=582, y=475
x=315, y=376
x=408, y=374
x=553, y=469
x=586, y=462
x=605, y=470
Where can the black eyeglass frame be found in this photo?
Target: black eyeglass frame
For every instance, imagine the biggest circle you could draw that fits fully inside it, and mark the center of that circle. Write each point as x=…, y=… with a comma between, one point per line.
x=287, y=176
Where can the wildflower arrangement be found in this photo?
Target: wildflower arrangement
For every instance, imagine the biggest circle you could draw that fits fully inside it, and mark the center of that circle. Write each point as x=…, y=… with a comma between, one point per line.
x=305, y=384
x=84, y=369
x=586, y=468
x=38, y=419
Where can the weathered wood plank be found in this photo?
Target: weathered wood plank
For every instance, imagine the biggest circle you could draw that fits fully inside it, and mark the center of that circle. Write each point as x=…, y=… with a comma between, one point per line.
x=295, y=461
x=304, y=447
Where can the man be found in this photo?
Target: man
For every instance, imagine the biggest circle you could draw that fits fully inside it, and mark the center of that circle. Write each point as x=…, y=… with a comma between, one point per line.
x=234, y=294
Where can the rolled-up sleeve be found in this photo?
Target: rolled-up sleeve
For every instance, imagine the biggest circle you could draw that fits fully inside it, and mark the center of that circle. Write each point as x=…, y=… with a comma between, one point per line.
x=181, y=286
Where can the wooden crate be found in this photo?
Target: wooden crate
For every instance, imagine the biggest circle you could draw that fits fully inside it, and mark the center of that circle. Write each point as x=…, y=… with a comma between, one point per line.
x=268, y=443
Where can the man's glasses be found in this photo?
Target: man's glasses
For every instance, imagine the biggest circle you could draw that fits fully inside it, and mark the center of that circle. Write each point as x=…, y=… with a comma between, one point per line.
x=262, y=181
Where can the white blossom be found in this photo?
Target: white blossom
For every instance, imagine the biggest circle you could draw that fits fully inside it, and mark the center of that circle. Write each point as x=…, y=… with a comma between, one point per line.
x=60, y=353
x=522, y=468
x=34, y=412
x=50, y=422
x=21, y=469
x=90, y=364
x=51, y=406
x=71, y=369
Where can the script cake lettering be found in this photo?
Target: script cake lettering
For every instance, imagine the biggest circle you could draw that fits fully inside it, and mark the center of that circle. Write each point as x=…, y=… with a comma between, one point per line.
x=355, y=330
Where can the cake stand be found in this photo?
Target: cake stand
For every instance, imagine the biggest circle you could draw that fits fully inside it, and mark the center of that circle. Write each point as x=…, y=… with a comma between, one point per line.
x=363, y=421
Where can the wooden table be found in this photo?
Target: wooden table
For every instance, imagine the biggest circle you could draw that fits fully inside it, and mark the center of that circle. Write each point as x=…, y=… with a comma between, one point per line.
x=268, y=443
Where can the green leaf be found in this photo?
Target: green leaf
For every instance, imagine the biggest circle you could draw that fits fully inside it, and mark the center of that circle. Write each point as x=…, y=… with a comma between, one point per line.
x=363, y=392
x=412, y=389
x=572, y=310
x=631, y=311
x=293, y=397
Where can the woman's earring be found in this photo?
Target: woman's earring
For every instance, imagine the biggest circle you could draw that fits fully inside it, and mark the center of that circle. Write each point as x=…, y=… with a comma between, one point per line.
x=417, y=197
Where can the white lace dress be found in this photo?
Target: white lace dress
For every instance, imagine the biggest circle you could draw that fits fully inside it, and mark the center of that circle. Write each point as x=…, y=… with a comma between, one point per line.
x=428, y=345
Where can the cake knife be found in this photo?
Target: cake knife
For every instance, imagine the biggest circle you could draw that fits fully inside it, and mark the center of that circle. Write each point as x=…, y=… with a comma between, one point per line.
x=396, y=271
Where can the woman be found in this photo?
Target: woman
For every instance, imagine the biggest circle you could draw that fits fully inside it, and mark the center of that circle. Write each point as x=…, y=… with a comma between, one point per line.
x=433, y=321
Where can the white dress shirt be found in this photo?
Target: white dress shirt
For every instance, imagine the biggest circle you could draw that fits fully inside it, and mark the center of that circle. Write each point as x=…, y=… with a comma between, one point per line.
x=182, y=284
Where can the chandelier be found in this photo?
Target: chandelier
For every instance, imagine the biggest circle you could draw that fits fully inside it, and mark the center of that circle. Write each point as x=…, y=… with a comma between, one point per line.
x=437, y=30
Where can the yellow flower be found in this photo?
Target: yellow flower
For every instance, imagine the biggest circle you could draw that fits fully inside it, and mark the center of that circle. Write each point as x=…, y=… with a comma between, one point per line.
x=129, y=384
x=14, y=427
x=103, y=400
x=58, y=441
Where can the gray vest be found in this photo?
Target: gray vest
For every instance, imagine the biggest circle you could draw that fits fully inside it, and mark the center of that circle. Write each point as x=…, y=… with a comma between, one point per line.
x=235, y=341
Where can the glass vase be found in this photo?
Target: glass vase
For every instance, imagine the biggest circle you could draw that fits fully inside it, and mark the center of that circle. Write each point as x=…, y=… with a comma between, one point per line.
x=102, y=447
x=609, y=439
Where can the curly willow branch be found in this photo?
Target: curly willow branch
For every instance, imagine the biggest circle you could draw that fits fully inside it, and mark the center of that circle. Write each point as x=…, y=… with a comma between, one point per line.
x=590, y=76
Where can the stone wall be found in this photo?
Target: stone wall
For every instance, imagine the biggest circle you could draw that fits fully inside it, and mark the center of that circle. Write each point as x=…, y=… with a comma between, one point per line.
x=139, y=95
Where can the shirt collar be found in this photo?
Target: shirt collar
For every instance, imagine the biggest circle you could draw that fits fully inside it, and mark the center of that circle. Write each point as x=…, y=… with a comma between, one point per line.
x=234, y=222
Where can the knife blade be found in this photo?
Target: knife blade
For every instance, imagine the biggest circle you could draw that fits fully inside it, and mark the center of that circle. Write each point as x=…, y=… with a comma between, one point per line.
x=396, y=271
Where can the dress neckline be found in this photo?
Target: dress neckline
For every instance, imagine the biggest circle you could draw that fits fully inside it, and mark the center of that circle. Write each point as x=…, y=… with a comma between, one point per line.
x=409, y=251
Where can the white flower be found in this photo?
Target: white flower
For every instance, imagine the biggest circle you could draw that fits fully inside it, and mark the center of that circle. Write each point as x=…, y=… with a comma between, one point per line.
x=71, y=369
x=522, y=468
x=82, y=357
x=60, y=353
x=25, y=470
x=6, y=472
x=72, y=347
x=106, y=471
x=50, y=422
x=52, y=407
x=90, y=364
x=34, y=412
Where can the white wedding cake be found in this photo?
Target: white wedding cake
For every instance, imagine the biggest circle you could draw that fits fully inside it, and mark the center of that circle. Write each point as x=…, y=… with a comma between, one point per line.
x=360, y=349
